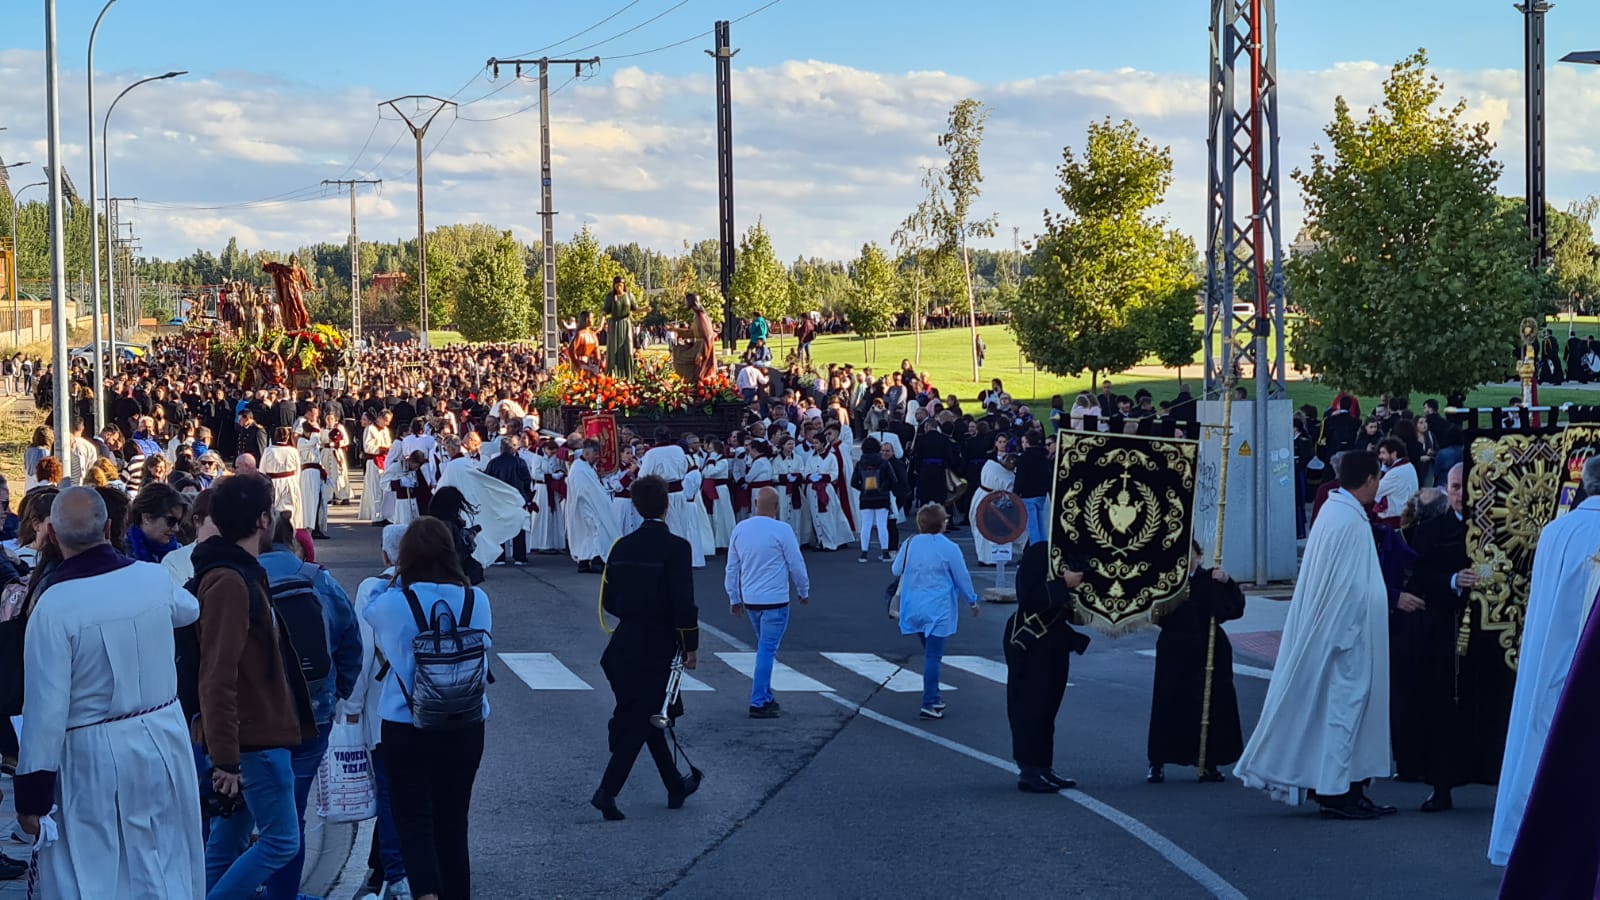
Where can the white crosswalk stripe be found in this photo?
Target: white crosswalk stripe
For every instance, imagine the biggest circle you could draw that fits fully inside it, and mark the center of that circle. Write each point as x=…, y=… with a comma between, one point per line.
x=543, y=672
x=876, y=669
x=980, y=666
x=783, y=677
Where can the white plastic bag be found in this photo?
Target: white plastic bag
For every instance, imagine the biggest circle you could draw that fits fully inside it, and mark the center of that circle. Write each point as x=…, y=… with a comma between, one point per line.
x=345, y=789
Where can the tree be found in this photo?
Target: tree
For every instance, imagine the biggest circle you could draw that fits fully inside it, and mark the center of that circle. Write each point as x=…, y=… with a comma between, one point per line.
x=494, y=303
x=760, y=284
x=583, y=276
x=963, y=180
x=1108, y=268
x=1166, y=325
x=1418, y=281
x=917, y=240
x=872, y=298
x=1574, y=259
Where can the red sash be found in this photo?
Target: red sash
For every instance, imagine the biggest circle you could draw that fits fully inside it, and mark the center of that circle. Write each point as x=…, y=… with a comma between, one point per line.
x=708, y=489
x=379, y=459
x=796, y=490
x=557, y=486
x=844, y=487
x=821, y=487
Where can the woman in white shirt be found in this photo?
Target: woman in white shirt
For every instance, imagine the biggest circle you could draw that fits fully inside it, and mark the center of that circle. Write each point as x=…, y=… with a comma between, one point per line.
x=430, y=771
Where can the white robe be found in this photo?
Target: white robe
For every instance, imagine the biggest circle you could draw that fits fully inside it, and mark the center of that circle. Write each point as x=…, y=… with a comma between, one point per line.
x=128, y=796
x=499, y=506
x=282, y=465
x=591, y=520
x=721, y=512
x=833, y=528
x=1560, y=598
x=786, y=471
x=313, y=497
x=374, y=442
x=1395, y=490
x=627, y=518
x=393, y=468
x=995, y=477
x=337, y=461
x=546, y=528
x=670, y=463
x=1325, y=723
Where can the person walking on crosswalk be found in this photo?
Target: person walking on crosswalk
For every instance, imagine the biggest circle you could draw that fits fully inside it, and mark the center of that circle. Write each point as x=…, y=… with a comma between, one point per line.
x=648, y=584
x=763, y=560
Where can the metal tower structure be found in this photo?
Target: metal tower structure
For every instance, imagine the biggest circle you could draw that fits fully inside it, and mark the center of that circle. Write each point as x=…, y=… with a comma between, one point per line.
x=1244, y=241
x=1533, y=82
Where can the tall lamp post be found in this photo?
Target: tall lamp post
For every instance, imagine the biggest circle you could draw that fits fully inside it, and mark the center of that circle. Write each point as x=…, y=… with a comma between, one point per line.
x=105, y=173
x=16, y=289
x=99, y=362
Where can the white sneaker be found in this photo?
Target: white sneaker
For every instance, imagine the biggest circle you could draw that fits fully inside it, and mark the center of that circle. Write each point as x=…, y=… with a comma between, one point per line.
x=400, y=890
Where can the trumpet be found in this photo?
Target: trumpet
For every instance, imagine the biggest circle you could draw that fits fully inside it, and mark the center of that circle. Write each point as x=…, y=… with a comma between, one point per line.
x=663, y=720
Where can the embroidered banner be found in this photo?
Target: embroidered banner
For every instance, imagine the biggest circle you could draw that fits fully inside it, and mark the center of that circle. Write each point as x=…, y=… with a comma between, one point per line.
x=1512, y=490
x=1578, y=444
x=1122, y=513
x=602, y=426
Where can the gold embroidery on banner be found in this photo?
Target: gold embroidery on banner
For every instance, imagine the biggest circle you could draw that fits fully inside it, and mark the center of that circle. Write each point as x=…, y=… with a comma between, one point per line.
x=1512, y=489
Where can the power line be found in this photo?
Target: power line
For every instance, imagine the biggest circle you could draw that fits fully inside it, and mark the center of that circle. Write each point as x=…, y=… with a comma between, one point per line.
x=364, y=145
x=573, y=37
x=657, y=17
x=689, y=40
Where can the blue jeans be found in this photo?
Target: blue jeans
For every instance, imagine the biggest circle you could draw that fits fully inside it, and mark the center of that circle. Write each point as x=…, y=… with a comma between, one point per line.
x=1038, y=518
x=394, y=865
x=304, y=761
x=932, y=654
x=269, y=793
x=769, y=625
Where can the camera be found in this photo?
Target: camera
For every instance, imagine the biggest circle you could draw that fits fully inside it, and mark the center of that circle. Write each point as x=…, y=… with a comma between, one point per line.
x=218, y=806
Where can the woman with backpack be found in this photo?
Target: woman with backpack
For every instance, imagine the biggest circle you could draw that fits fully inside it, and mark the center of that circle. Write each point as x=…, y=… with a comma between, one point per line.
x=875, y=479
x=432, y=730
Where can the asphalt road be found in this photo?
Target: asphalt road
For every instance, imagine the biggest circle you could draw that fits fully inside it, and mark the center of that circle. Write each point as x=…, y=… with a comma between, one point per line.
x=850, y=795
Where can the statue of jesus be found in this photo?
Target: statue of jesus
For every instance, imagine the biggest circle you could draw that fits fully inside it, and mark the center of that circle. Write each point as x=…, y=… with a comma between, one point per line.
x=291, y=282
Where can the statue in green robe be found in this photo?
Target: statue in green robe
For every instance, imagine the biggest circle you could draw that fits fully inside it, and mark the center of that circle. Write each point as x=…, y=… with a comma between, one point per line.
x=619, y=308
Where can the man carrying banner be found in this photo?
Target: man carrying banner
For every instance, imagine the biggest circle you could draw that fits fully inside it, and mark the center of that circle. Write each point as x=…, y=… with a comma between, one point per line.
x=1324, y=729
x=1039, y=643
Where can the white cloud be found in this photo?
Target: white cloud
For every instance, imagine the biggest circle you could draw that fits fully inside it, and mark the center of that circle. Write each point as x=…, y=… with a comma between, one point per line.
x=829, y=156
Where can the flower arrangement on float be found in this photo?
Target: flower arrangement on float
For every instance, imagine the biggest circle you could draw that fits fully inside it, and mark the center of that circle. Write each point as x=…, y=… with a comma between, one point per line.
x=319, y=349
x=654, y=390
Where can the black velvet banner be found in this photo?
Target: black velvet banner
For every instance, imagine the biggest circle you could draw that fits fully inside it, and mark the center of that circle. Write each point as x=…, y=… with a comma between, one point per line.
x=1122, y=513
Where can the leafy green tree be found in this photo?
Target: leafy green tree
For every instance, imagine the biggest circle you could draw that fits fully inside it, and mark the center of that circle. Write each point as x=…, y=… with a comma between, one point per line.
x=583, y=276
x=760, y=283
x=494, y=299
x=1109, y=264
x=1166, y=327
x=1418, y=282
x=1574, y=258
x=871, y=302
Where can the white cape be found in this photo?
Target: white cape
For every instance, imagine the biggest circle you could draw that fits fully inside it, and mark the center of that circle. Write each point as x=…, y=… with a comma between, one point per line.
x=1560, y=595
x=591, y=517
x=500, y=514
x=1325, y=723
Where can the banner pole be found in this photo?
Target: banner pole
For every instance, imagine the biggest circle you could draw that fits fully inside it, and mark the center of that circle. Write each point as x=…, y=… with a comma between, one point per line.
x=1216, y=562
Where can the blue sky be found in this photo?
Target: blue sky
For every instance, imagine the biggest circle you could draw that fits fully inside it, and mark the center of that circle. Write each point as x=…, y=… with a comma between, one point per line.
x=837, y=104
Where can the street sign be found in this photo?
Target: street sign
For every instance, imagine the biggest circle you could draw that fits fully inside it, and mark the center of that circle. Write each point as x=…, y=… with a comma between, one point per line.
x=999, y=553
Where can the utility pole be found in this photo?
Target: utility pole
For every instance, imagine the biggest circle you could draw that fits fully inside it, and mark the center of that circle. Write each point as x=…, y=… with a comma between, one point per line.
x=62, y=406
x=355, y=253
x=724, y=64
x=114, y=235
x=418, y=132
x=552, y=350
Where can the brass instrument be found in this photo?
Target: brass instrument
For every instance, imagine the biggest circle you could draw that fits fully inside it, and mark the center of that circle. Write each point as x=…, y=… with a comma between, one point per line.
x=663, y=720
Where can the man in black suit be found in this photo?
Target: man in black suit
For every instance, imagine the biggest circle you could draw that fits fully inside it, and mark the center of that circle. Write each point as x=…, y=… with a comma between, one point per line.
x=933, y=456
x=1039, y=643
x=649, y=586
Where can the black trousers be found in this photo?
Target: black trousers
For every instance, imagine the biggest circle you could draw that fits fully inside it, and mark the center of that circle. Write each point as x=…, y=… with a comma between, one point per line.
x=630, y=730
x=1036, y=680
x=430, y=791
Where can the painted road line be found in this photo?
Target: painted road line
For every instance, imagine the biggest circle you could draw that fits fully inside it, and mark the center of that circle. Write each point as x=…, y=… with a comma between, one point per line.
x=1238, y=668
x=1180, y=858
x=876, y=669
x=981, y=666
x=543, y=672
x=783, y=677
x=691, y=683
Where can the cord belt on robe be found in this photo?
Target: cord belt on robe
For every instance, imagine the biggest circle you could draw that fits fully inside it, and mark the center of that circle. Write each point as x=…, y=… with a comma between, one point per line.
x=126, y=716
x=674, y=487
x=318, y=466
x=280, y=474
x=557, y=486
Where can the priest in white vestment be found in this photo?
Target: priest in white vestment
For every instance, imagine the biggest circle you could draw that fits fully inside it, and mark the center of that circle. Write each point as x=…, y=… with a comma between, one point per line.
x=375, y=442
x=499, y=513
x=547, y=532
x=1560, y=599
x=105, y=740
x=313, y=480
x=1325, y=724
x=667, y=461
x=281, y=463
x=591, y=519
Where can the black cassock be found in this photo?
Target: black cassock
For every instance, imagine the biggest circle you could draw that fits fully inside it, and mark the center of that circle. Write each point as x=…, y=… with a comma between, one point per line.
x=1449, y=713
x=1039, y=642
x=649, y=587
x=1179, y=696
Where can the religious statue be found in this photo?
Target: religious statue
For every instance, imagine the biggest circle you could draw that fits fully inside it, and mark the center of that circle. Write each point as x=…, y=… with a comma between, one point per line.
x=291, y=282
x=265, y=369
x=584, y=350
x=619, y=307
x=705, y=335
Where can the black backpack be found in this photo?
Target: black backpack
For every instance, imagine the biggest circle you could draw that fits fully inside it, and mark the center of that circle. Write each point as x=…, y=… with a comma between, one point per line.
x=300, y=609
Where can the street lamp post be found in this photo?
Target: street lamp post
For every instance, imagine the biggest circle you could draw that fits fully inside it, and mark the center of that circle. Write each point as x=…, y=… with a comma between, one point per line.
x=99, y=362
x=16, y=245
x=105, y=178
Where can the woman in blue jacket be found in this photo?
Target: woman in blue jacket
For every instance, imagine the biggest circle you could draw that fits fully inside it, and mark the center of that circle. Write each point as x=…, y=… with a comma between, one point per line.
x=934, y=582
